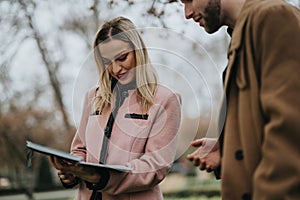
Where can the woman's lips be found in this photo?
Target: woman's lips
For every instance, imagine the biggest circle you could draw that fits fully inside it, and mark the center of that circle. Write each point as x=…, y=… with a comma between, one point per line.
x=122, y=76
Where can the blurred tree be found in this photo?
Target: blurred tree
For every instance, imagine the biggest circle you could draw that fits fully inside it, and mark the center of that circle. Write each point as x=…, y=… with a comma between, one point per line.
x=18, y=124
x=52, y=66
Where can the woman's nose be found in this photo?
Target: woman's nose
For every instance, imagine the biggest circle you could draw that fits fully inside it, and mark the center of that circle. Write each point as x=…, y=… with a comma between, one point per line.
x=116, y=67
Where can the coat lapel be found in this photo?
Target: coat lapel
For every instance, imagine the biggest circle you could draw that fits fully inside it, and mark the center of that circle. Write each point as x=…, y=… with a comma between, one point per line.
x=235, y=44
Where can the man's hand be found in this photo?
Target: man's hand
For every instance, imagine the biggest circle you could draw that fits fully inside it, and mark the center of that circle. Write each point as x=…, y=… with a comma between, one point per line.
x=207, y=156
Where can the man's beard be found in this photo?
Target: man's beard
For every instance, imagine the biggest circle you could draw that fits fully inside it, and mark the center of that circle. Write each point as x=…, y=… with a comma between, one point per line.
x=212, y=16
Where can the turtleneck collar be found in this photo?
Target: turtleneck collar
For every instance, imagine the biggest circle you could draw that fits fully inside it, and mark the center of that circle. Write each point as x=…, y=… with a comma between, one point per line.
x=120, y=87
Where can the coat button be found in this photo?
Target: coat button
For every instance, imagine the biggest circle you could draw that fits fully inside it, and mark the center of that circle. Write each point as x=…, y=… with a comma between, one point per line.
x=107, y=131
x=246, y=196
x=125, y=94
x=239, y=155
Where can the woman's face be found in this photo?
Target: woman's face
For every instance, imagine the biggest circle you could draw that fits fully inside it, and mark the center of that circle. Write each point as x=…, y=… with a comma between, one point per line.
x=119, y=59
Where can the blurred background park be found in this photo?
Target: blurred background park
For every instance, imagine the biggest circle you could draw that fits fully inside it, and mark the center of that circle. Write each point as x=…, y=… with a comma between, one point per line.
x=46, y=66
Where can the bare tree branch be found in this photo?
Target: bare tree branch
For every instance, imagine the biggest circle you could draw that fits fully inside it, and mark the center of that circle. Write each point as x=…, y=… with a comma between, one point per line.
x=50, y=65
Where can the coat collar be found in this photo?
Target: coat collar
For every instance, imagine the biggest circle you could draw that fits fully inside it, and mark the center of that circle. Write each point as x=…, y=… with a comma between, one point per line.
x=237, y=38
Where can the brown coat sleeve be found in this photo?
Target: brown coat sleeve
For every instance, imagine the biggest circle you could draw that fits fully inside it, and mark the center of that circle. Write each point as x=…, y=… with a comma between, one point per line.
x=277, y=49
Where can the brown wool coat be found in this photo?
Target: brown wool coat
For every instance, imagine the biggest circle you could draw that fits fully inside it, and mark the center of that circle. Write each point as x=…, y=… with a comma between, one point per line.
x=147, y=146
x=261, y=147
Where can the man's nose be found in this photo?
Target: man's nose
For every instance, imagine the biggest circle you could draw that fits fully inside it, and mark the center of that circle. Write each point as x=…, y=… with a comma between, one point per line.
x=188, y=11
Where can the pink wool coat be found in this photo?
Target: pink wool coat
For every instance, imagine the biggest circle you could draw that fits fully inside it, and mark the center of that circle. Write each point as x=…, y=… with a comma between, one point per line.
x=147, y=146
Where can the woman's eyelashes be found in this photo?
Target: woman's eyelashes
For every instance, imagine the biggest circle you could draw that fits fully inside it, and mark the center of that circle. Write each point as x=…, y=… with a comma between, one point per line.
x=121, y=58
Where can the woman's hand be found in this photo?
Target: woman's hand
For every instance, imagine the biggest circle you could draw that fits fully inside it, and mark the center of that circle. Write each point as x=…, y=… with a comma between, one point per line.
x=207, y=156
x=68, y=171
x=66, y=178
x=61, y=164
x=63, y=170
x=87, y=173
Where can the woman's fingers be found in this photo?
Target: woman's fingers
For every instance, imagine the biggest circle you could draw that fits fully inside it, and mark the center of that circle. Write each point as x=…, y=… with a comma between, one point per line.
x=66, y=177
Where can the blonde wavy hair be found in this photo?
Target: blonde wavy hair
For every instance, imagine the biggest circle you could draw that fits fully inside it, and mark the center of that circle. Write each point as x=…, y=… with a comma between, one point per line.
x=123, y=29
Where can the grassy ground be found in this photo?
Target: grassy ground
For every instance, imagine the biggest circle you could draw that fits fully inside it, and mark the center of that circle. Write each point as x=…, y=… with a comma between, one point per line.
x=174, y=187
x=193, y=198
x=200, y=187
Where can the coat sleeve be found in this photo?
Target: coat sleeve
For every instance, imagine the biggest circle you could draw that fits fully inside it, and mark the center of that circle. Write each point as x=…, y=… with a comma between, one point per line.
x=78, y=146
x=160, y=149
x=277, y=52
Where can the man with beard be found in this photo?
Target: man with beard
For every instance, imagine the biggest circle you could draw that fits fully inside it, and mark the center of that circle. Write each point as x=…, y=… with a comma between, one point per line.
x=259, y=143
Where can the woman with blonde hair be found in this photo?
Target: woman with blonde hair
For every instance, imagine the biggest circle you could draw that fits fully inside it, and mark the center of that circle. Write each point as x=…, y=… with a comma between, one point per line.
x=128, y=119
